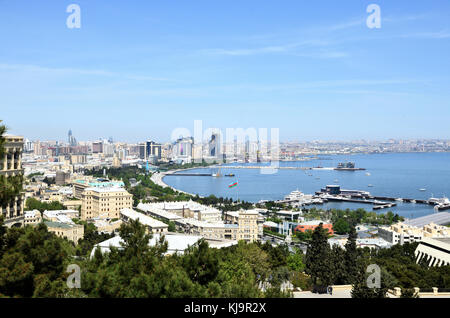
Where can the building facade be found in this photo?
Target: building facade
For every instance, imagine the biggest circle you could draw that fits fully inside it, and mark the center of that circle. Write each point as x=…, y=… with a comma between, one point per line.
x=435, y=251
x=401, y=233
x=104, y=202
x=152, y=226
x=73, y=232
x=11, y=174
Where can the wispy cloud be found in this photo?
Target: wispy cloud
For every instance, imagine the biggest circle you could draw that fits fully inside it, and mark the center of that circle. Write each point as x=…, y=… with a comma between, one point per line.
x=314, y=48
x=74, y=71
x=443, y=34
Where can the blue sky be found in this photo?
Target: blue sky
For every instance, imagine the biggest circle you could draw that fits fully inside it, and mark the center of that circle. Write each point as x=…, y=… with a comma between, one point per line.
x=136, y=70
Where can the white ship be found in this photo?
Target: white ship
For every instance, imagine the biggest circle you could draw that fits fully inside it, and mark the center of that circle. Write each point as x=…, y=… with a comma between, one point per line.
x=439, y=201
x=299, y=196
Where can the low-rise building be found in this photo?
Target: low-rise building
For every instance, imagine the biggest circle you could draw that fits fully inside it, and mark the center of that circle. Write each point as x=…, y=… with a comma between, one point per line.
x=64, y=216
x=152, y=225
x=376, y=243
x=73, y=232
x=105, y=225
x=32, y=217
x=176, y=243
x=186, y=209
x=311, y=226
x=198, y=219
x=401, y=233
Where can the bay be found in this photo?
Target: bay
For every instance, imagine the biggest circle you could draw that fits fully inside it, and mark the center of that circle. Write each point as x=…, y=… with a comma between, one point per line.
x=391, y=174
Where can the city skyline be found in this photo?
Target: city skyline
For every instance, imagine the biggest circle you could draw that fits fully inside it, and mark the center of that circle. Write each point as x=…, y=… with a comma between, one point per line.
x=316, y=71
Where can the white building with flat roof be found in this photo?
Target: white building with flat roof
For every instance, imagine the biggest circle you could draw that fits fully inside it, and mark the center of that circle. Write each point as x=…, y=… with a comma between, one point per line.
x=177, y=243
x=401, y=233
x=153, y=225
x=185, y=209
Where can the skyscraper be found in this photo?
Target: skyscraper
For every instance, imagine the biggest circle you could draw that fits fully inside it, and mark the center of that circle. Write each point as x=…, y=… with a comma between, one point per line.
x=214, y=145
x=71, y=139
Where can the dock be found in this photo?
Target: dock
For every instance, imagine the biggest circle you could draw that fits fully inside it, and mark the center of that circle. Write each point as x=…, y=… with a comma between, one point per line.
x=198, y=175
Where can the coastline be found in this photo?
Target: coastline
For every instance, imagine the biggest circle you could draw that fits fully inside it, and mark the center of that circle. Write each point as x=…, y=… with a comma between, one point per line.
x=158, y=177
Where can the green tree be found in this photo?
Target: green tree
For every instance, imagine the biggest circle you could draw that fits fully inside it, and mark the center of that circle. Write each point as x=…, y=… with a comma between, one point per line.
x=351, y=256
x=318, y=260
x=295, y=261
x=341, y=226
x=201, y=263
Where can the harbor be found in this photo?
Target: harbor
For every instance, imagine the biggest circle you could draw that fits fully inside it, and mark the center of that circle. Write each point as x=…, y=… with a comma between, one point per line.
x=383, y=180
x=335, y=193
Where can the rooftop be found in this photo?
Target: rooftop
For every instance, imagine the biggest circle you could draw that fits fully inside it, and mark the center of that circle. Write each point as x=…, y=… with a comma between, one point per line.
x=60, y=225
x=144, y=219
x=177, y=243
x=440, y=218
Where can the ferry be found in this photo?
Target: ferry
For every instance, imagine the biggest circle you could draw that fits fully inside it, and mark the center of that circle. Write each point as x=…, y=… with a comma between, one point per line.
x=347, y=166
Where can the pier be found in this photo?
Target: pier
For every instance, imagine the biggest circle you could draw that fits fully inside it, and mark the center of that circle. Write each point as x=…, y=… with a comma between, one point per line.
x=199, y=175
x=190, y=175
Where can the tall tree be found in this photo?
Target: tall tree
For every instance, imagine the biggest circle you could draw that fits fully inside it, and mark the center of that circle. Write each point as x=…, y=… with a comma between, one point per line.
x=351, y=256
x=318, y=258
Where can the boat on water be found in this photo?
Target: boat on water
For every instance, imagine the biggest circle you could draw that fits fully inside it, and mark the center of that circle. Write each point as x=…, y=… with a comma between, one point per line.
x=399, y=199
x=367, y=173
x=370, y=185
x=422, y=189
x=299, y=196
x=336, y=180
x=439, y=201
x=347, y=166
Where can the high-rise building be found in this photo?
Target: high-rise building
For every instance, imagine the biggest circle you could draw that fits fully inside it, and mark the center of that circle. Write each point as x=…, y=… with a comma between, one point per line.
x=183, y=147
x=97, y=147
x=71, y=139
x=142, y=151
x=215, y=145
x=153, y=149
